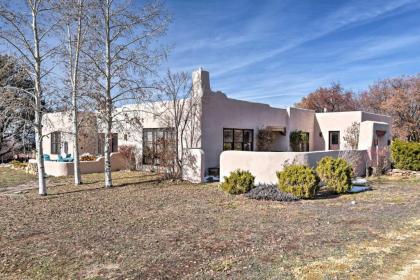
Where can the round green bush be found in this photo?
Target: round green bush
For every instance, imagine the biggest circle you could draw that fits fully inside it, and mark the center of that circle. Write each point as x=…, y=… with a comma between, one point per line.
x=406, y=155
x=238, y=182
x=299, y=180
x=336, y=174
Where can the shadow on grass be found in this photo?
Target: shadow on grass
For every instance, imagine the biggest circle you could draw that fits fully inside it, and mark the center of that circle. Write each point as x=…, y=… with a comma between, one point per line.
x=327, y=194
x=95, y=181
x=63, y=181
x=103, y=188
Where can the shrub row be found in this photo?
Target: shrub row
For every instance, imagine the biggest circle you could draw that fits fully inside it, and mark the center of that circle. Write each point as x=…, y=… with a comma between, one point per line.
x=406, y=155
x=299, y=180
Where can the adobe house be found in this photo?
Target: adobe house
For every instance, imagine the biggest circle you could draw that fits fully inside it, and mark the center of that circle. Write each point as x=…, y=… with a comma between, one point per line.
x=223, y=123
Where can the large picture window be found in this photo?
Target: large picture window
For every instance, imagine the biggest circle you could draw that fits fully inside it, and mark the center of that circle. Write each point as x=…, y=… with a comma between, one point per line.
x=56, y=142
x=157, y=145
x=238, y=139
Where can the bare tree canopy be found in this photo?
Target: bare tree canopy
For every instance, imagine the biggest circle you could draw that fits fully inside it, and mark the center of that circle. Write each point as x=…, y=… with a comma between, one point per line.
x=400, y=99
x=332, y=99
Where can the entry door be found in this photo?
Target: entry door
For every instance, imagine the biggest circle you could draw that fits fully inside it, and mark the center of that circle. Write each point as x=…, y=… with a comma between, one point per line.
x=334, y=140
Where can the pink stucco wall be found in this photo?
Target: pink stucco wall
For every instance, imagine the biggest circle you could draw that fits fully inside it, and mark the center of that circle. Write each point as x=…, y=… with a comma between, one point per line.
x=221, y=112
x=61, y=121
x=340, y=121
x=58, y=169
x=264, y=165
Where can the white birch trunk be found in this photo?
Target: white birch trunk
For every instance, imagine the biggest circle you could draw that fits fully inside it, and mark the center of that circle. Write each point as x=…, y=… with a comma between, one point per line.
x=77, y=176
x=39, y=153
x=107, y=156
x=74, y=76
x=108, y=118
x=38, y=108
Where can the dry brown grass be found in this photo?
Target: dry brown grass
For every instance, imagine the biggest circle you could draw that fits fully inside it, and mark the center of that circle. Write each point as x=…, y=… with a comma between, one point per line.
x=147, y=228
x=11, y=177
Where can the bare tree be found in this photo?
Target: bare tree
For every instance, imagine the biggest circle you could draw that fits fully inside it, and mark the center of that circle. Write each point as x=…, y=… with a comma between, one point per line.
x=122, y=56
x=27, y=30
x=74, y=28
x=351, y=135
x=178, y=108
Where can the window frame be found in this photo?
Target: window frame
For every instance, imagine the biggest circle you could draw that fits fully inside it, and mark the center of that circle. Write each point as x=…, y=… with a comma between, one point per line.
x=166, y=132
x=330, y=132
x=55, y=147
x=232, y=144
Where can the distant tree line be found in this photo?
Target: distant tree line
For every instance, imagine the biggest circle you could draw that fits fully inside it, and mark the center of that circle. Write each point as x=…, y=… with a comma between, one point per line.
x=396, y=97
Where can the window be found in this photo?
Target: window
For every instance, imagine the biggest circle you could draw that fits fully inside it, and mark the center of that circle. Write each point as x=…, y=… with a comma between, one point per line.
x=238, y=139
x=113, y=145
x=66, y=148
x=56, y=142
x=334, y=140
x=156, y=141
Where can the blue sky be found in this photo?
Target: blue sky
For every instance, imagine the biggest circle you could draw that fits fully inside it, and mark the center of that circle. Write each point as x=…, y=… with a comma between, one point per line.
x=278, y=51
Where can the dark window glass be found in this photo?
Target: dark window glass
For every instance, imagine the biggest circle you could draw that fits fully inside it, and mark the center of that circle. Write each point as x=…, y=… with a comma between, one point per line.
x=228, y=135
x=239, y=136
x=227, y=146
x=238, y=146
x=238, y=139
x=155, y=142
x=66, y=147
x=334, y=140
x=113, y=143
x=247, y=136
x=247, y=146
x=56, y=142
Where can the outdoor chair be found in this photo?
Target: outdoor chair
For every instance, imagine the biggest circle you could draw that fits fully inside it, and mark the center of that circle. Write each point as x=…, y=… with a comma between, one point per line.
x=60, y=159
x=68, y=158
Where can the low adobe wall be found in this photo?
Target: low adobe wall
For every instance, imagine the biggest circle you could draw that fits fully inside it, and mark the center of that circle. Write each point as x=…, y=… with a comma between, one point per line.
x=57, y=169
x=264, y=165
x=193, y=170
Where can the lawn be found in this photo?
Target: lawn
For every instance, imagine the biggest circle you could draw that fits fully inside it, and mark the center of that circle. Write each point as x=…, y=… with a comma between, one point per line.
x=10, y=178
x=148, y=228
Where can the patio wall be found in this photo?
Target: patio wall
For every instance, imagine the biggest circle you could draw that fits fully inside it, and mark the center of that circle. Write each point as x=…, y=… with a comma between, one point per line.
x=56, y=169
x=264, y=165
